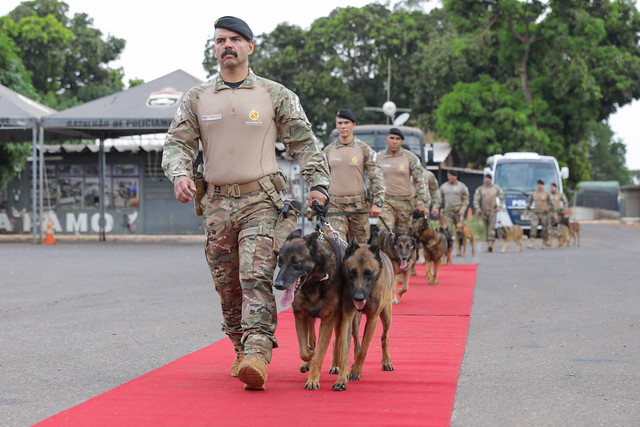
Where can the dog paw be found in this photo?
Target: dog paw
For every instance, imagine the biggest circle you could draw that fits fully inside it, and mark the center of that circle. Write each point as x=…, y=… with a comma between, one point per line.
x=334, y=370
x=387, y=367
x=339, y=386
x=304, y=367
x=312, y=385
x=354, y=376
x=396, y=301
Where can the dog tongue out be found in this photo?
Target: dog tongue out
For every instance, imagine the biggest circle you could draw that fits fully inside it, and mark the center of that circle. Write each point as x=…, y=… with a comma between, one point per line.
x=403, y=263
x=359, y=304
x=288, y=296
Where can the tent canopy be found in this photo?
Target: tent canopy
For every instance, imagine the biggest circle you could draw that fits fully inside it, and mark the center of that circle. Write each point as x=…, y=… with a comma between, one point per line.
x=143, y=109
x=19, y=115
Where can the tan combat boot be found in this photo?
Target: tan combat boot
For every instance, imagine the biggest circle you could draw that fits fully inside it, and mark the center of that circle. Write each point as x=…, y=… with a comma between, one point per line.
x=237, y=361
x=490, y=247
x=253, y=372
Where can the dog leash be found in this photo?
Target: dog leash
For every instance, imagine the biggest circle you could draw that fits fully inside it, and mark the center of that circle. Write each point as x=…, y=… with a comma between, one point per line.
x=345, y=213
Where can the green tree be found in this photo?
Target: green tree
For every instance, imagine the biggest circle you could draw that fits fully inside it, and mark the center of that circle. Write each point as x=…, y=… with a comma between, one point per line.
x=573, y=64
x=607, y=155
x=67, y=57
x=13, y=74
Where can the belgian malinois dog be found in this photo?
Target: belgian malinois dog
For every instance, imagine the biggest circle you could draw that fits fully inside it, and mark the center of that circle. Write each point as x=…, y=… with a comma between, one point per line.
x=561, y=233
x=435, y=246
x=511, y=233
x=311, y=276
x=369, y=276
x=401, y=248
x=464, y=234
x=574, y=233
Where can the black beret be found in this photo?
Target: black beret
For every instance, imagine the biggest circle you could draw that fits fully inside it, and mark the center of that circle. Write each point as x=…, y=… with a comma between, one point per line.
x=347, y=114
x=540, y=182
x=554, y=184
x=396, y=131
x=452, y=172
x=236, y=25
x=488, y=175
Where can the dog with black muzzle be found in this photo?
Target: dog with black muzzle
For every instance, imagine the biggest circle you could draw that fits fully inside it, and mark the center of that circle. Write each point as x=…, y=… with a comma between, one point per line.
x=401, y=247
x=369, y=276
x=310, y=274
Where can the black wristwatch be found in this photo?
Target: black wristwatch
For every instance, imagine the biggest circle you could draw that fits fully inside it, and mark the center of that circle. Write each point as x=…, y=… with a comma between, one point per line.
x=378, y=204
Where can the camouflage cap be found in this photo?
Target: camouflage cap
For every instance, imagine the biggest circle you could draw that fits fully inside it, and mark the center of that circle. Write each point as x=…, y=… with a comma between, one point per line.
x=236, y=25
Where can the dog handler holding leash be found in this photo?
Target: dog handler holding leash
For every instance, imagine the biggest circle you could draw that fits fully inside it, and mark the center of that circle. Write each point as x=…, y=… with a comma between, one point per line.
x=349, y=158
x=484, y=202
x=400, y=167
x=237, y=116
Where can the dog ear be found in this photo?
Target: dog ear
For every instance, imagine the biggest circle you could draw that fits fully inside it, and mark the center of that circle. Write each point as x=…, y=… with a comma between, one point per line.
x=374, y=246
x=351, y=248
x=295, y=234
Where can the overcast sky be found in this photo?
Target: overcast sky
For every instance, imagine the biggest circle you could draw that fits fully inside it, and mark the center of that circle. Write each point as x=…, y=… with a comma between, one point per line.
x=163, y=37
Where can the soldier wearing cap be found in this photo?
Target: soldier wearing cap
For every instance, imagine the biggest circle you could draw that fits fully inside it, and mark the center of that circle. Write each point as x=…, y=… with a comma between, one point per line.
x=487, y=200
x=541, y=214
x=455, y=200
x=349, y=159
x=400, y=169
x=237, y=116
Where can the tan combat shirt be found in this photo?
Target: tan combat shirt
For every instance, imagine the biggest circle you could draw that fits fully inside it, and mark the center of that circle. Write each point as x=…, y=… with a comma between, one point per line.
x=348, y=163
x=454, y=195
x=238, y=130
x=399, y=172
x=541, y=201
x=485, y=197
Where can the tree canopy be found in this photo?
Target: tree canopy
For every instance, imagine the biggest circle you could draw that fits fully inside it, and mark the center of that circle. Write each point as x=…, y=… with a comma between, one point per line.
x=66, y=56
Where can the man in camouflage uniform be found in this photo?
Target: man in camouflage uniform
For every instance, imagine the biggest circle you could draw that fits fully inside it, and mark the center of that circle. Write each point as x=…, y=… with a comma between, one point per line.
x=559, y=202
x=484, y=202
x=400, y=168
x=349, y=158
x=455, y=200
x=541, y=214
x=237, y=117
x=434, y=191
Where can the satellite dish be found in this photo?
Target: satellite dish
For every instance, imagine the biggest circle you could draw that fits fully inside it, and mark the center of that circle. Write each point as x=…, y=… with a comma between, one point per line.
x=401, y=119
x=389, y=108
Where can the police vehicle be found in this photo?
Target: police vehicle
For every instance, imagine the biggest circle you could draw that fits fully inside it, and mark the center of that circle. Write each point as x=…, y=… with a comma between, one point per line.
x=517, y=174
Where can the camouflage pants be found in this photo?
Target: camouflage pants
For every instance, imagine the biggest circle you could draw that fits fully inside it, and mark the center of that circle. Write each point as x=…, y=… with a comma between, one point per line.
x=350, y=226
x=451, y=218
x=396, y=212
x=489, y=220
x=242, y=267
x=544, y=219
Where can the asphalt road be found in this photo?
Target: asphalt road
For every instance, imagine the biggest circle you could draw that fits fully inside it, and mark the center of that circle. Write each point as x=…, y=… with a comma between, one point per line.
x=553, y=338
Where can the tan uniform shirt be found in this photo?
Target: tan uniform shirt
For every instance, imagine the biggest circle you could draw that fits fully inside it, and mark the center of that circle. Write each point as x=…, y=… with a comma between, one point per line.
x=486, y=195
x=348, y=163
x=454, y=195
x=400, y=172
x=541, y=200
x=238, y=130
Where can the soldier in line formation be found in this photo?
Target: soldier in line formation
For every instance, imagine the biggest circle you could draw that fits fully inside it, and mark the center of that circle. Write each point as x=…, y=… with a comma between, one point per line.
x=349, y=158
x=541, y=214
x=454, y=200
x=237, y=117
x=487, y=202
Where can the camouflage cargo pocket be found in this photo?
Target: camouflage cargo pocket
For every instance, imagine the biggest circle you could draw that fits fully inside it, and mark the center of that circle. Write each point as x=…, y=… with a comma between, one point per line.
x=287, y=222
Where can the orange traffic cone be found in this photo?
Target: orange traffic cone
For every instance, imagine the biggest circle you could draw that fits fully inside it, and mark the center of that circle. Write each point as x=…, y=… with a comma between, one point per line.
x=469, y=214
x=49, y=238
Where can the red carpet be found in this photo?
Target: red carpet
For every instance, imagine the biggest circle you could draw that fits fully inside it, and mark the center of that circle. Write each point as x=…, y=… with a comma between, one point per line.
x=427, y=338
